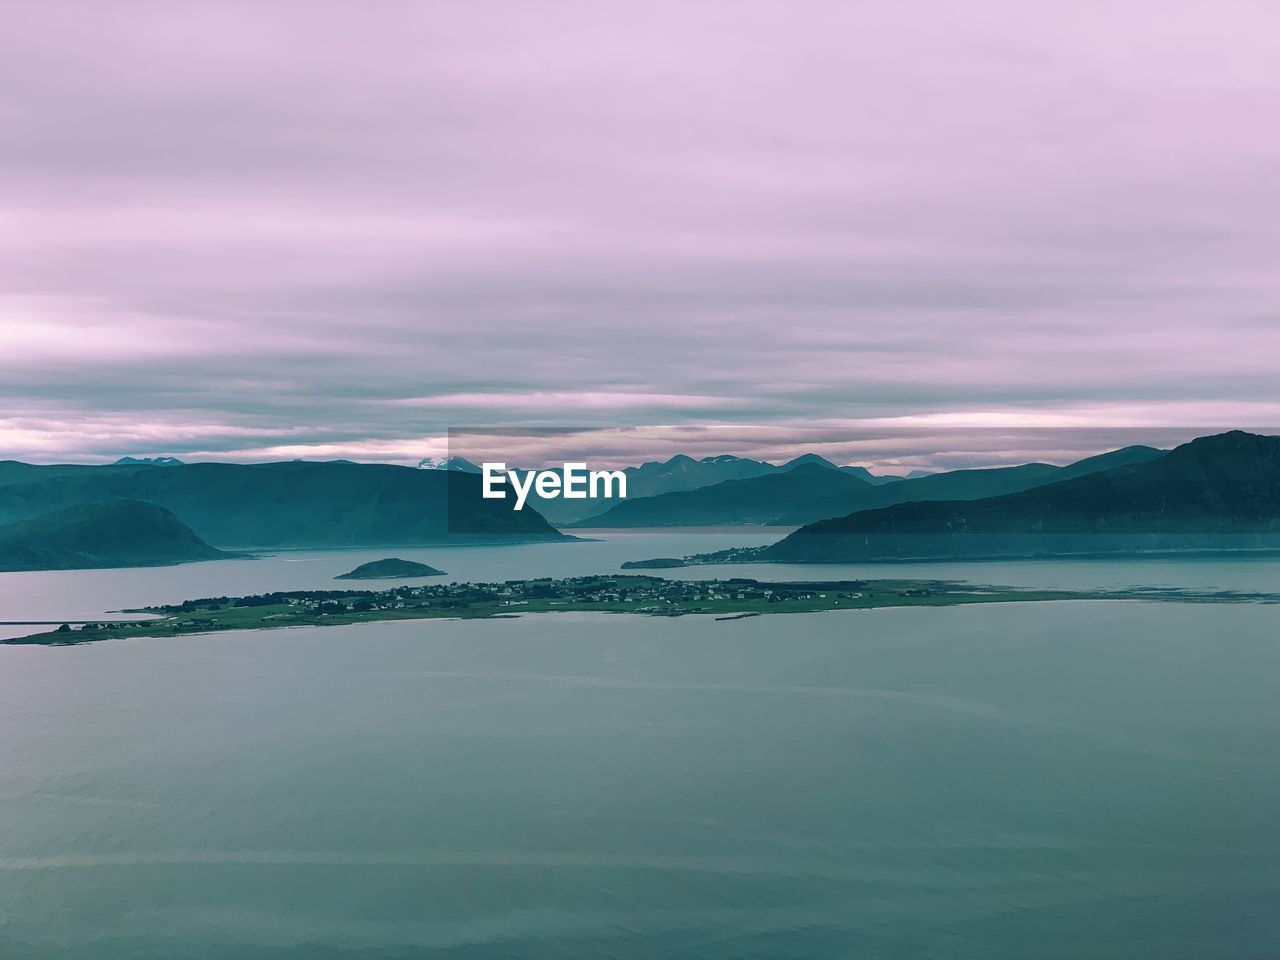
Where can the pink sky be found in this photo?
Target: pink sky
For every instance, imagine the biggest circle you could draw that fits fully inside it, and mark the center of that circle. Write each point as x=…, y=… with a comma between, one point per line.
x=248, y=230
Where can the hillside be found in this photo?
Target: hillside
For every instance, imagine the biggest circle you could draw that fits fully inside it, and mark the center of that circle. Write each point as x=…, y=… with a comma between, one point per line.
x=288, y=504
x=656, y=477
x=122, y=533
x=819, y=490
x=1214, y=492
x=796, y=496
x=682, y=473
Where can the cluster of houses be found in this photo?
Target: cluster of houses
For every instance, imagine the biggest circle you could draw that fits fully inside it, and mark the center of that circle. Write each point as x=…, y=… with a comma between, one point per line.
x=641, y=594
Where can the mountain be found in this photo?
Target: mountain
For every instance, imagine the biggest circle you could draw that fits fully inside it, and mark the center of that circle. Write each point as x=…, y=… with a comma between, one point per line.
x=448, y=463
x=655, y=477
x=14, y=471
x=995, y=481
x=808, y=490
x=815, y=496
x=287, y=504
x=1215, y=492
x=810, y=459
x=122, y=533
x=153, y=461
x=682, y=473
x=862, y=473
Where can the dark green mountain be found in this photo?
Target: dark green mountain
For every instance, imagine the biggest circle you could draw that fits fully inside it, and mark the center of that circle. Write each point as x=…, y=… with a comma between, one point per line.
x=122, y=533
x=292, y=504
x=793, y=496
x=655, y=477
x=1216, y=492
x=995, y=481
x=862, y=473
x=682, y=473
x=818, y=489
x=808, y=459
x=14, y=471
x=390, y=568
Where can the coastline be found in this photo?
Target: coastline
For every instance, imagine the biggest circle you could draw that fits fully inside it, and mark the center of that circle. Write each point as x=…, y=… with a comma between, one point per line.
x=732, y=599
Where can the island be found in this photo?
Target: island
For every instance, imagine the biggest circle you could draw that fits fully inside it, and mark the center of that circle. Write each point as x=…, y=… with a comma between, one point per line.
x=731, y=555
x=731, y=598
x=390, y=568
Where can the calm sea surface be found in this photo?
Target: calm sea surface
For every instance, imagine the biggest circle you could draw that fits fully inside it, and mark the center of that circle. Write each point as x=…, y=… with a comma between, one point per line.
x=80, y=594
x=1070, y=780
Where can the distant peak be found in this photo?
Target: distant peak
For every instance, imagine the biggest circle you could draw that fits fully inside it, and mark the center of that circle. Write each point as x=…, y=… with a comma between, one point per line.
x=723, y=458
x=1231, y=438
x=461, y=464
x=1232, y=443
x=806, y=458
x=150, y=461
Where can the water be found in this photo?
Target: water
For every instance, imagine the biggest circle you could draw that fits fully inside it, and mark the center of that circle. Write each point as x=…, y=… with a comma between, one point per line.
x=1062, y=780
x=87, y=594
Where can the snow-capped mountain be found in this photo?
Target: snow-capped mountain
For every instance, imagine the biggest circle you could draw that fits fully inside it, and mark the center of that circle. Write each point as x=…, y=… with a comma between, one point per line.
x=461, y=464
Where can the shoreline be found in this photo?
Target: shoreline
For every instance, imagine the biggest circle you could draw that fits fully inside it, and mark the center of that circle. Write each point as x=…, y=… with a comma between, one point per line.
x=748, y=556
x=730, y=599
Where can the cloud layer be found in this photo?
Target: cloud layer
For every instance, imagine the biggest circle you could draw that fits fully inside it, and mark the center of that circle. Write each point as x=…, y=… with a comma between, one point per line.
x=340, y=229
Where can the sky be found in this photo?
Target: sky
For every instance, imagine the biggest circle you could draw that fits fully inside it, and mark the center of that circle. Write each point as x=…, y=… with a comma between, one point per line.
x=919, y=234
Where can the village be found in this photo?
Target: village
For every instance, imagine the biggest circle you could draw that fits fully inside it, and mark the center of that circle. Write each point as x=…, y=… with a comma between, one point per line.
x=635, y=594
x=728, y=599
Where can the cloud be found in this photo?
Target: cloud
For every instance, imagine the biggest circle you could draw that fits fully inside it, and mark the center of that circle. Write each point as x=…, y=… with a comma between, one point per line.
x=345, y=230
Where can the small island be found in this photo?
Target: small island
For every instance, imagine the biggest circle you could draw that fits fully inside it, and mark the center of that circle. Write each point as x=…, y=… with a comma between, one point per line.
x=731, y=555
x=390, y=568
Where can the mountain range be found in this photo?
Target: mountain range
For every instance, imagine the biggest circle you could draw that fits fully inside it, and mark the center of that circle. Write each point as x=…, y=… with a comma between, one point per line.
x=683, y=473
x=811, y=488
x=154, y=461
x=1216, y=491
x=286, y=504
x=461, y=464
x=1220, y=491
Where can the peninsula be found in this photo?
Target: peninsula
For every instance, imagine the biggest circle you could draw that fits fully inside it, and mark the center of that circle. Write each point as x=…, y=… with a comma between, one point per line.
x=642, y=595
x=121, y=533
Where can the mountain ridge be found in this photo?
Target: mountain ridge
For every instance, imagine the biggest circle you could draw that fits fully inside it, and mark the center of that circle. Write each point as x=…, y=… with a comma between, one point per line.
x=682, y=473
x=1220, y=486
x=752, y=499
x=118, y=533
x=286, y=503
